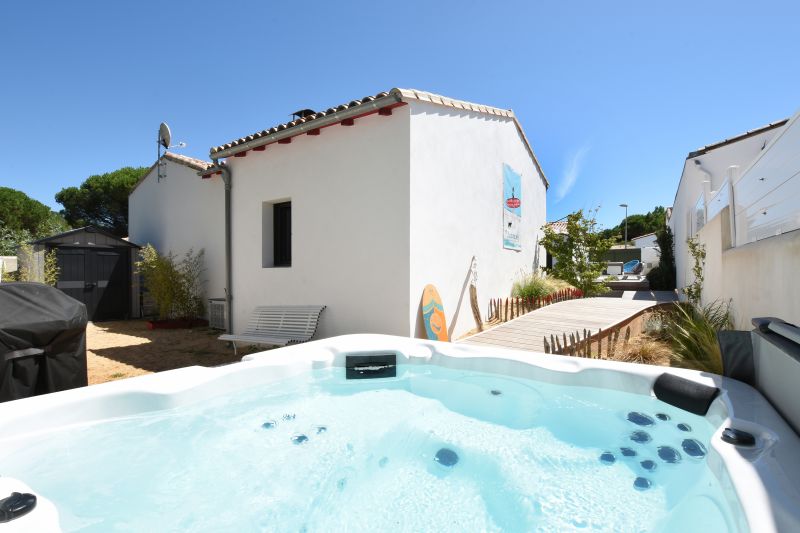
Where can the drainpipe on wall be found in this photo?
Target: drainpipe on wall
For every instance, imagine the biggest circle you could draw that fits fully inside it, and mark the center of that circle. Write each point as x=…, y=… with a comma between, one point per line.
x=707, y=174
x=733, y=175
x=226, y=179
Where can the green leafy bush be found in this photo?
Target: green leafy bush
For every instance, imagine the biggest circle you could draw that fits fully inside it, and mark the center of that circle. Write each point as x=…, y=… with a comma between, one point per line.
x=51, y=268
x=29, y=270
x=694, y=291
x=692, y=330
x=176, y=286
x=659, y=280
x=534, y=285
x=578, y=252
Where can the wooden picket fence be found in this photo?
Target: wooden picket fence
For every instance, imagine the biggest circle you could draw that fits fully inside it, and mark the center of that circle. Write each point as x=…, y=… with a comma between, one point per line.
x=589, y=345
x=510, y=308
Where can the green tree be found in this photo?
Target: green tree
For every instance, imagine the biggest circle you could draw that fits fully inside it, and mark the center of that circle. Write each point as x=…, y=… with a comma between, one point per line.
x=23, y=219
x=19, y=211
x=11, y=239
x=578, y=253
x=662, y=277
x=101, y=200
x=638, y=224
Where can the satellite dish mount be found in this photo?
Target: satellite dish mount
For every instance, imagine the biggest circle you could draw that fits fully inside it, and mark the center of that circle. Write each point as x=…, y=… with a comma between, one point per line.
x=164, y=138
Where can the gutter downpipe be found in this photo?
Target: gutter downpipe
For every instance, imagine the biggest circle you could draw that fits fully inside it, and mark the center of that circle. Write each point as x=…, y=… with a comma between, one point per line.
x=707, y=187
x=707, y=174
x=226, y=179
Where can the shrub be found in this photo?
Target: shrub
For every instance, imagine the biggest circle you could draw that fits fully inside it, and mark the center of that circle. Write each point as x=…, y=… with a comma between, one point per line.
x=693, y=334
x=535, y=285
x=51, y=268
x=646, y=350
x=659, y=280
x=694, y=291
x=176, y=287
x=662, y=277
x=28, y=270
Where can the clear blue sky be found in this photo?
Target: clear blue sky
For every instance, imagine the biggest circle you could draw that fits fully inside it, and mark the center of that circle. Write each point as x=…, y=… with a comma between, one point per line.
x=612, y=95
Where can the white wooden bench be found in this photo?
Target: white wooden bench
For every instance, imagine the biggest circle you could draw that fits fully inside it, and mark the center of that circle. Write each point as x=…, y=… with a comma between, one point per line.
x=278, y=325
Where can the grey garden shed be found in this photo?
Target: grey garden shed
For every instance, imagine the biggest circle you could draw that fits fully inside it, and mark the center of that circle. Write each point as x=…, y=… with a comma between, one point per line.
x=95, y=267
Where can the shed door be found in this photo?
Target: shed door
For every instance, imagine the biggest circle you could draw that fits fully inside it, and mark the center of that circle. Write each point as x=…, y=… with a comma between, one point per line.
x=72, y=274
x=98, y=278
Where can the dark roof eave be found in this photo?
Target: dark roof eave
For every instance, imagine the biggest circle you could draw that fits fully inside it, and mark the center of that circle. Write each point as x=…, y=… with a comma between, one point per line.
x=708, y=148
x=731, y=140
x=88, y=229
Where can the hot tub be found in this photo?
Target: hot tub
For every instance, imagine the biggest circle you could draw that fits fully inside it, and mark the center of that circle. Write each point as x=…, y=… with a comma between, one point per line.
x=379, y=433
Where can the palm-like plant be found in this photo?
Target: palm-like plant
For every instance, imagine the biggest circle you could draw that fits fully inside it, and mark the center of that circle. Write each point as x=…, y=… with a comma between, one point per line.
x=693, y=334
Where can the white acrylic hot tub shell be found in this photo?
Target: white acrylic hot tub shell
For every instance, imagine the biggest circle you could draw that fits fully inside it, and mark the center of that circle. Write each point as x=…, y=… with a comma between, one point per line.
x=764, y=478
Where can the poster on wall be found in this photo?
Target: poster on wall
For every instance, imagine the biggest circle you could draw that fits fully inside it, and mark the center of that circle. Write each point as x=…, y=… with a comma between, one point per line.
x=512, y=208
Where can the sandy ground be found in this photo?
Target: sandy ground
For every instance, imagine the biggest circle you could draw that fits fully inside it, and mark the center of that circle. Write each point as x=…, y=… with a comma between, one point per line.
x=123, y=349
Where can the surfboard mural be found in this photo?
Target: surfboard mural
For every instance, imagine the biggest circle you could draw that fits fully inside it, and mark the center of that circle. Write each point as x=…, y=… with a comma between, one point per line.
x=433, y=314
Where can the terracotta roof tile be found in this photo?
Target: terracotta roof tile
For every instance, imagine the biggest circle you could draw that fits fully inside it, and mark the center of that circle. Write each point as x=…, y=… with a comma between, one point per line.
x=391, y=97
x=558, y=227
x=191, y=162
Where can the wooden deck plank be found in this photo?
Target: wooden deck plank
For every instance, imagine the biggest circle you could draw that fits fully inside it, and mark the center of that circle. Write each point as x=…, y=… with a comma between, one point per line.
x=528, y=331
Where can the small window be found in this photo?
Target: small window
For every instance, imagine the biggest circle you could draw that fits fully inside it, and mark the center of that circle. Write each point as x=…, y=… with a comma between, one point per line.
x=282, y=233
x=276, y=234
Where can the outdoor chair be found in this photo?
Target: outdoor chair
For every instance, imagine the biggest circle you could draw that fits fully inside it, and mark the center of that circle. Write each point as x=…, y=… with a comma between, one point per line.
x=278, y=325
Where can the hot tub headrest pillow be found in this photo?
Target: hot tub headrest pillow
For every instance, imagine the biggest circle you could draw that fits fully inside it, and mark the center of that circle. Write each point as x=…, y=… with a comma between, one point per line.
x=684, y=393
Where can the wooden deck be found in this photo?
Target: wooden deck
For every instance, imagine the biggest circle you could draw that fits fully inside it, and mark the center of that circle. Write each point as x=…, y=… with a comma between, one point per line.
x=528, y=331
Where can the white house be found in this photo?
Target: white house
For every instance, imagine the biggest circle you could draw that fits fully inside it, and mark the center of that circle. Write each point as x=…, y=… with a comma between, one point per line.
x=175, y=211
x=647, y=240
x=358, y=207
x=741, y=198
x=650, y=255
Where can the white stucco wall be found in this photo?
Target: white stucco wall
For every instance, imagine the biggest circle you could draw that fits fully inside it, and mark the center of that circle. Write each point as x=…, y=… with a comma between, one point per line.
x=753, y=262
x=724, y=164
x=182, y=212
x=758, y=278
x=456, y=210
x=350, y=226
x=767, y=194
x=651, y=255
x=644, y=241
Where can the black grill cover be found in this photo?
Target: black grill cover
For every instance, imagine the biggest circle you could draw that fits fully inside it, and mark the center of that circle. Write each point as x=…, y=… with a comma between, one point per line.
x=42, y=341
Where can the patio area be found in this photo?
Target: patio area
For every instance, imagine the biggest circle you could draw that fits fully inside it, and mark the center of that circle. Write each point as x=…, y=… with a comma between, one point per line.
x=126, y=348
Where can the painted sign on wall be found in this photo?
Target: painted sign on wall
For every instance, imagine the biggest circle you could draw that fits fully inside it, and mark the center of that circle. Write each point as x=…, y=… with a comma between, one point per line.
x=512, y=208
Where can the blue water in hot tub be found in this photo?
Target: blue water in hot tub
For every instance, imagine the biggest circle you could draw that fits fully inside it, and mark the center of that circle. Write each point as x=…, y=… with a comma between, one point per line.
x=433, y=450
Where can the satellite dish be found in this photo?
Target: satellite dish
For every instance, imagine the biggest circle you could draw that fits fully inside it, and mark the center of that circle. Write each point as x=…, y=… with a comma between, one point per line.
x=164, y=135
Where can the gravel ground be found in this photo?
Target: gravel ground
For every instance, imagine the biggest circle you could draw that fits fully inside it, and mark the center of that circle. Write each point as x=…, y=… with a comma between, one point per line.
x=123, y=349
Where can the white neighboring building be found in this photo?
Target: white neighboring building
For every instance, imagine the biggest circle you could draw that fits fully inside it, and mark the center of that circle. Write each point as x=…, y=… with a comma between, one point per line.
x=645, y=241
x=8, y=263
x=648, y=244
x=741, y=198
x=360, y=206
x=179, y=212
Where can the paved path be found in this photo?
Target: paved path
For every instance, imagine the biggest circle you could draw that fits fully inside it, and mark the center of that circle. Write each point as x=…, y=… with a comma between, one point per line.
x=528, y=331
